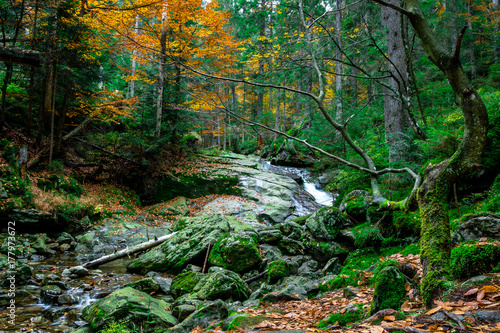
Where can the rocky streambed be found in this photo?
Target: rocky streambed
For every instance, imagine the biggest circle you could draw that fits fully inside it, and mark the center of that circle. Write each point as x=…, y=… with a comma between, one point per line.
x=260, y=232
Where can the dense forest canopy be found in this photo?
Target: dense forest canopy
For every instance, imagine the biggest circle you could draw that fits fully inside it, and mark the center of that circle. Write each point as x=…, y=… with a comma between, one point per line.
x=402, y=97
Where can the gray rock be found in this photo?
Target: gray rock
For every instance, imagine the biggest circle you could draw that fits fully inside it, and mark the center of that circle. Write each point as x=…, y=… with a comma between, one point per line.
x=476, y=228
x=67, y=299
x=476, y=280
x=79, y=271
x=490, y=316
x=163, y=283
x=350, y=292
x=333, y=267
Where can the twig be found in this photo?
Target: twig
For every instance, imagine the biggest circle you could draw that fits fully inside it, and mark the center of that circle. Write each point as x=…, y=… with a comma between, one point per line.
x=206, y=258
x=258, y=276
x=454, y=318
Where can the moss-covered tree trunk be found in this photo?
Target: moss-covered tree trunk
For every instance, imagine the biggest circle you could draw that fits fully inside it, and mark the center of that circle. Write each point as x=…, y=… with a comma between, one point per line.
x=438, y=179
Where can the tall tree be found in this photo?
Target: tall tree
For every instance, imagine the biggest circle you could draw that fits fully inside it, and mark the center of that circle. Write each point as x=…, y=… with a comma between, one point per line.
x=396, y=120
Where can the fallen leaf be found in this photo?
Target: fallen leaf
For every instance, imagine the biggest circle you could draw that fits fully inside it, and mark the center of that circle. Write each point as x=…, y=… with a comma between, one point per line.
x=389, y=318
x=480, y=295
x=471, y=292
x=432, y=311
x=489, y=289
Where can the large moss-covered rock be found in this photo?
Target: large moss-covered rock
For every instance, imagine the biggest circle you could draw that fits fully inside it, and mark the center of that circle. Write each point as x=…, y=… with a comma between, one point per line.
x=184, y=283
x=243, y=321
x=188, y=246
x=215, y=311
x=470, y=259
x=236, y=252
x=327, y=223
x=277, y=270
x=355, y=204
x=324, y=251
x=135, y=308
x=221, y=284
x=389, y=290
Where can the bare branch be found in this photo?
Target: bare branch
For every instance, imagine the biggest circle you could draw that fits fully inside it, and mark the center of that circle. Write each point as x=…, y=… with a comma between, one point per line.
x=459, y=43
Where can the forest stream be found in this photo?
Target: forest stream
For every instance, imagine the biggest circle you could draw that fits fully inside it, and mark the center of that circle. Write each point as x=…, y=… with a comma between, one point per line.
x=38, y=313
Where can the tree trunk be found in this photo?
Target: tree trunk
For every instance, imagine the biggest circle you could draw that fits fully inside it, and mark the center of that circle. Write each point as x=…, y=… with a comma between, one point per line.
x=134, y=60
x=6, y=81
x=432, y=194
x=338, y=65
x=396, y=121
x=161, y=70
x=52, y=116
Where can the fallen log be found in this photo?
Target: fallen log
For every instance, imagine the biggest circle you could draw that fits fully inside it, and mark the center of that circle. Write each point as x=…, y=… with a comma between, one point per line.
x=128, y=251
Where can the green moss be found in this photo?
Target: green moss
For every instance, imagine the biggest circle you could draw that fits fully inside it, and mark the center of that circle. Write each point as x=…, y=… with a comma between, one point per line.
x=184, y=283
x=471, y=260
x=435, y=240
x=411, y=249
x=343, y=318
x=389, y=289
x=277, y=270
x=117, y=327
x=245, y=321
x=367, y=235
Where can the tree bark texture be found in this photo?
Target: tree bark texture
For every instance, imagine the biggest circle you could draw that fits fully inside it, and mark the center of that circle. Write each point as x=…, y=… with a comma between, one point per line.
x=396, y=121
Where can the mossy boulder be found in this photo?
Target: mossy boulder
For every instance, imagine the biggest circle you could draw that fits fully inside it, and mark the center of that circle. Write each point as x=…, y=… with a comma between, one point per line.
x=207, y=314
x=327, y=223
x=147, y=285
x=50, y=293
x=184, y=283
x=135, y=308
x=243, y=321
x=235, y=251
x=221, y=284
x=471, y=260
x=324, y=251
x=22, y=275
x=355, y=205
x=188, y=246
x=389, y=290
x=291, y=246
x=277, y=270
